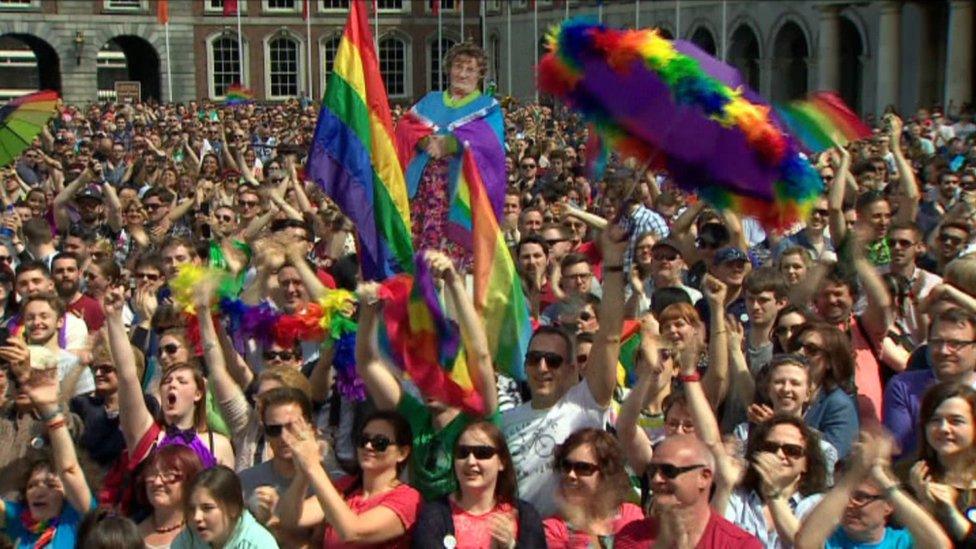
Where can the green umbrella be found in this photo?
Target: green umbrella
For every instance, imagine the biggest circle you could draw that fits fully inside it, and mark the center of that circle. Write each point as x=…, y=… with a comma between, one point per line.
x=21, y=120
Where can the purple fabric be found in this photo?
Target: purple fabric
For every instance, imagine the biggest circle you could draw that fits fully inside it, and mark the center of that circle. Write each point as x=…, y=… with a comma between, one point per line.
x=199, y=448
x=696, y=148
x=718, y=70
x=902, y=406
x=489, y=156
x=448, y=340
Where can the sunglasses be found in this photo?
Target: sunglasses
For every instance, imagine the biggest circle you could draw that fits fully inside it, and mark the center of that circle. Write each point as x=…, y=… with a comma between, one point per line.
x=808, y=349
x=479, y=451
x=280, y=355
x=822, y=212
x=670, y=471
x=6, y=259
x=274, y=431
x=225, y=218
x=147, y=276
x=860, y=499
x=535, y=358
x=379, y=443
x=665, y=257
x=527, y=166
x=169, y=349
x=792, y=451
x=900, y=243
x=103, y=368
x=581, y=468
x=248, y=203
x=152, y=207
x=950, y=240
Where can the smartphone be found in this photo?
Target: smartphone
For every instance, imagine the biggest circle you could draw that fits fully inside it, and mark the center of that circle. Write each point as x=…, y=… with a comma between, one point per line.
x=205, y=231
x=205, y=208
x=4, y=336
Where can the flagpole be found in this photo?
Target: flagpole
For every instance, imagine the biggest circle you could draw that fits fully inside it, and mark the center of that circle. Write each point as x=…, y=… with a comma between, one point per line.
x=535, y=41
x=240, y=45
x=484, y=31
x=725, y=30
x=376, y=27
x=599, y=12
x=460, y=5
x=636, y=14
x=677, y=19
x=508, y=48
x=169, y=63
x=308, y=46
x=567, y=8
x=440, y=51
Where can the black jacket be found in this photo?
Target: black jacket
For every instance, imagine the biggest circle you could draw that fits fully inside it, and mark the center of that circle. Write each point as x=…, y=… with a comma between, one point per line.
x=435, y=523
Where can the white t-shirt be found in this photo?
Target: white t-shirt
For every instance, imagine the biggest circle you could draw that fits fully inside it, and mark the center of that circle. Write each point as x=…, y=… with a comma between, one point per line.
x=532, y=436
x=75, y=332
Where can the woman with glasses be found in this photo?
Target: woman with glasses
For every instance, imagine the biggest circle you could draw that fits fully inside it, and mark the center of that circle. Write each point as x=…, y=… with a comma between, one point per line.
x=370, y=508
x=592, y=492
x=832, y=410
x=788, y=319
x=944, y=477
x=485, y=510
x=163, y=487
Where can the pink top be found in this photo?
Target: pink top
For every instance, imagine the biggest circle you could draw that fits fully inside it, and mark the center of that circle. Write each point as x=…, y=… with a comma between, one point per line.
x=474, y=531
x=559, y=535
x=403, y=500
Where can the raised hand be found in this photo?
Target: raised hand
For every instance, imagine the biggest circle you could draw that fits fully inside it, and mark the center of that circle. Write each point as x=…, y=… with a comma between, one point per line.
x=300, y=437
x=266, y=498
x=440, y=265
x=714, y=290
x=773, y=477
x=758, y=413
x=114, y=302
x=502, y=528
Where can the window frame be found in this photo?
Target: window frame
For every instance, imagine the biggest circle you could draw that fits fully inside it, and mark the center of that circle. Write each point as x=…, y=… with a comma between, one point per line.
x=428, y=8
x=245, y=72
x=300, y=64
x=323, y=74
x=108, y=7
x=430, y=58
x=208, y=8
x=31, y=5
x=407, y=72
x=266, y=8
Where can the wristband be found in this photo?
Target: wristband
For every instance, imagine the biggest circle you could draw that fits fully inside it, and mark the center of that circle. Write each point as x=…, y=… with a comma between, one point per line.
x=56, y=424
x=48, y=417
x=688, y=378
x=613, y=268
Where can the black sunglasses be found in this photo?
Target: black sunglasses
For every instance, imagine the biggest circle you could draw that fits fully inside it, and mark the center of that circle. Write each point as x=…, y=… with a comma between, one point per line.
x=379, y=443
x=670, y=471
x=169, y=349
x=274, y=431
x=480, y=451
x=792, y=451
x=535, y=358
x=281, y=355
x=581, y=468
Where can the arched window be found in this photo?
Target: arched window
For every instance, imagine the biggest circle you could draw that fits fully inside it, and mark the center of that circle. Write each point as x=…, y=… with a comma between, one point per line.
x=393, y=65
x=225, y=64
x=284, y=60
x=329, y=49
x=435, y=82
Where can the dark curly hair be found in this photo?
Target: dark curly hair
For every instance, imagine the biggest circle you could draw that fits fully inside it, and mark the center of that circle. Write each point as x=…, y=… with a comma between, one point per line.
x=609, y=456
x=931, y=400
x=814, y=480
x=467, y=49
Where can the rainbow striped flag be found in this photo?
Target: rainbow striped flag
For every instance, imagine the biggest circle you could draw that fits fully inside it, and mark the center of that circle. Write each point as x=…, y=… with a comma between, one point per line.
x=630, y=341
x=822, y=121
x=237, y=94
x=424, y=342
x=498, y=295
x=353, y=157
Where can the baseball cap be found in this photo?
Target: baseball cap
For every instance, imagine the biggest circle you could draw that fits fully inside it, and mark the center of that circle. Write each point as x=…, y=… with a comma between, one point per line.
x=728, y=254
x=667, y=243
x=91, y=192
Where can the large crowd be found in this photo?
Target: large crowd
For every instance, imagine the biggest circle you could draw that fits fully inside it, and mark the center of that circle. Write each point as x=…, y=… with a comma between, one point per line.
x=815, y=388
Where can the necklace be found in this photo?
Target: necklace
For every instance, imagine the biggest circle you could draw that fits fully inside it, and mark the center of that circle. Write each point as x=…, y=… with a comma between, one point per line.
x=168, y=529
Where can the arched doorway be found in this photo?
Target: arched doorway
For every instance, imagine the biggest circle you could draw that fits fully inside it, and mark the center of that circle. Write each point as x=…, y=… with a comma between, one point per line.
x=128, y=57
x=851, y=50
x=665, y=33
x=744, y=55
x=703, y=38
x=27, y=63
x=790, y=52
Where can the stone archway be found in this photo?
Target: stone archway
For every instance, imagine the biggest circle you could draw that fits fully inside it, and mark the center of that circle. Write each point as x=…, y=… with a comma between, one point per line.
x=790, y=68
x=37, y=66
x=142, y=64
x=744, y=55
x=851, y=66
x=702, y=37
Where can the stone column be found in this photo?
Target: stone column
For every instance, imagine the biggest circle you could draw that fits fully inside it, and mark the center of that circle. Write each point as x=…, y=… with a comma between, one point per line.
x=959, y=54
x=828, y=50
x=765, y=76
x=889, y=56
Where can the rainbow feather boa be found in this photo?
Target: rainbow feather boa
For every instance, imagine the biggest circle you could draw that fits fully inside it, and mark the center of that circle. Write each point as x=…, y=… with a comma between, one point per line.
x=650, y=101
x=330, y=318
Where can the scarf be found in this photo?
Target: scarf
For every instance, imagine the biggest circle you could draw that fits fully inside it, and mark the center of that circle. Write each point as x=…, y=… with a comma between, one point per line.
x=44, y=530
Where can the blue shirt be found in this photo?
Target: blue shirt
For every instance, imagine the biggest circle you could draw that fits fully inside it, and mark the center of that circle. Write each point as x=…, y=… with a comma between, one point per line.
x=64, y=537
x=893, y=539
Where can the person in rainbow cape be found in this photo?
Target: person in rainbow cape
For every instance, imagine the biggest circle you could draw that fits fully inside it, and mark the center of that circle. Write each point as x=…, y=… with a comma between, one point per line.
x=430, y=140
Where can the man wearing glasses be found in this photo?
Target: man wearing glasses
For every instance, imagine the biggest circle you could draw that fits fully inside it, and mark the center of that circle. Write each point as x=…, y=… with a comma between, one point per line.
x=952, y=355
x=681, y=474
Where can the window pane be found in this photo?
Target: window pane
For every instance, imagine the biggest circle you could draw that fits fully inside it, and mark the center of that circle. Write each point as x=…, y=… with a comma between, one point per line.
x=435, y=69
x=390, y=4
x=393, y=66
x=335, y=4
x=329, y=50
x=226, y=64
x=445, y=5
x=283, y=54
x=281, y=4
x=126, y=4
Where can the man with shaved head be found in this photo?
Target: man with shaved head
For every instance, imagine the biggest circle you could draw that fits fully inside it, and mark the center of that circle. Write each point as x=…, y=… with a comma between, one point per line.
x=681, y=474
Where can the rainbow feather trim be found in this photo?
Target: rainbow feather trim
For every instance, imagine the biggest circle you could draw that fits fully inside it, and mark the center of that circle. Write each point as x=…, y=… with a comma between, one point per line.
x=651, y=101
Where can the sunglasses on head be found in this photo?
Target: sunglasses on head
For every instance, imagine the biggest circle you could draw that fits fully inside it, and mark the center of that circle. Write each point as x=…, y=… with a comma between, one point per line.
x=479, y=451
x=792, y=451
x=379, y=443
x=535, y=358
x=670, y=471
x=169, y=349
x=581, y=468
x=280, y=355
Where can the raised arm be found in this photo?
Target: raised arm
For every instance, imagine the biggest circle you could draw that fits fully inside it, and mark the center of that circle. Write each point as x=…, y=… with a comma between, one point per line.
x=60, y=206
x=715, y=383
x=601, y=373
x=134, y=417
x=113, y=208
x=383, y=387
x=742, y=383
x=472, y=329
x=372, y=526
x=880, y=310
x=636, y=444
x=835, y=198
x=42, y=388
x=224, y=386
x=908, y=207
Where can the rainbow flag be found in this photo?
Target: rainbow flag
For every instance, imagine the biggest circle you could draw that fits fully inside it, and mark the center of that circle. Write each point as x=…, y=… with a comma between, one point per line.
x=237, y=94
x=424, y=342
x=498, y=295
x=353, y=157
x=630, y=341
x=822, y=121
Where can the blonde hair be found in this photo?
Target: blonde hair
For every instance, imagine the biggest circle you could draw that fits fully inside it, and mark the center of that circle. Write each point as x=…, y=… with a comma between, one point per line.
x=961, y=273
